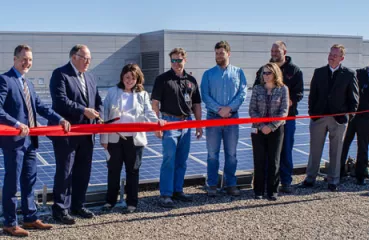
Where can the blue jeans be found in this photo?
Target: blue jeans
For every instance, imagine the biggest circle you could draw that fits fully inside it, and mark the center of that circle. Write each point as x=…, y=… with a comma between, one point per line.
x=214, y=136
x=176, y=147
x=286, y=164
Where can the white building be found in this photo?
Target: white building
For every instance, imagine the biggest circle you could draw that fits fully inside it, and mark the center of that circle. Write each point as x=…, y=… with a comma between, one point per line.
x=110, y=52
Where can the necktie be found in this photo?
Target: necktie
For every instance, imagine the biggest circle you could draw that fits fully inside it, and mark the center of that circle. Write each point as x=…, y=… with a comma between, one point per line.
x=31, y=119
x=83, y=84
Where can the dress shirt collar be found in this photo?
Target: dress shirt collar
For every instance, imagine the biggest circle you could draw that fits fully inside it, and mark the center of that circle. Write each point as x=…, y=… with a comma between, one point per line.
x=224, y=69
x=334, y=69
x=75, y=69
x=184, y=75
x=19, y=75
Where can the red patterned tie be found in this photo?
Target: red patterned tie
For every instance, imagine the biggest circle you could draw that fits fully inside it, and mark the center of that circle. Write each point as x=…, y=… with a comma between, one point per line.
x=28, y=103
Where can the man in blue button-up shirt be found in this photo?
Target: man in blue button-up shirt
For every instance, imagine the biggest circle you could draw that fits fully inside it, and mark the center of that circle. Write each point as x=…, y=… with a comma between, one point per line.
x=223, y=90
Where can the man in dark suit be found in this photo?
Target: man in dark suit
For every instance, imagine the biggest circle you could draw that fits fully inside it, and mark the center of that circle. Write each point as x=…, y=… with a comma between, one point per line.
x=19, y=105
x=333, y=90
x=359, y=126
x=74, y=96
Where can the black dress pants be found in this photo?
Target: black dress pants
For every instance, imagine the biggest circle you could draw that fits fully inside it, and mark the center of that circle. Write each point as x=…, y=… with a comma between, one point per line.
x=73, y=158
x=360, y=126
x=124, y=151
x=267, y=151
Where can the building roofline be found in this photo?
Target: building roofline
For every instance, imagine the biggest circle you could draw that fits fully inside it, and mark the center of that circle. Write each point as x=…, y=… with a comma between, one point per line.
x=69, y=33
x=261, y=34
x=183, y=32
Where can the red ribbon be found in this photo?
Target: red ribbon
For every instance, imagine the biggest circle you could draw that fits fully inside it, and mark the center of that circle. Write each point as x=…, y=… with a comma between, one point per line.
x=88, y=129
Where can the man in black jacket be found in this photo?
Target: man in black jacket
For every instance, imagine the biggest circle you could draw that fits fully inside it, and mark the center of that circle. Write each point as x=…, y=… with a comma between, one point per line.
x=333, y=90
x=359, y=125
x=292, y=77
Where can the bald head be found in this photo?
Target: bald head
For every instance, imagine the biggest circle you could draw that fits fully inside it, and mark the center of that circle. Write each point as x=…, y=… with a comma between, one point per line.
x=278, y=52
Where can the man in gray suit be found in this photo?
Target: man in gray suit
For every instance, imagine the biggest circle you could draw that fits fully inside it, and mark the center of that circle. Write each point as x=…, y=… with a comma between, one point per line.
x=333, y=90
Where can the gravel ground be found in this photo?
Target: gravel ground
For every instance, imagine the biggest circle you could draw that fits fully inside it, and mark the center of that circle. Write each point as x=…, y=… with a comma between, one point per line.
x=306, y=214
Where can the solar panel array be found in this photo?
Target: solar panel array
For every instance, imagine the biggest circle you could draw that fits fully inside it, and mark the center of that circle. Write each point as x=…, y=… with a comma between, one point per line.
x=196, y=164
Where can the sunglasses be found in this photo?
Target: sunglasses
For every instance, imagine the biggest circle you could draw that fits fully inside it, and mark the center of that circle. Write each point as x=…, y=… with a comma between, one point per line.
x=267, y=73
x=176, y=60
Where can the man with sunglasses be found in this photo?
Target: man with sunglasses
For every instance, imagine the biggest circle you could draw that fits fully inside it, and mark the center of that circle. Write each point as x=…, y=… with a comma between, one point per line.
x=76, y=98
x=223, y=89
x=293, y=79
x=176, y=95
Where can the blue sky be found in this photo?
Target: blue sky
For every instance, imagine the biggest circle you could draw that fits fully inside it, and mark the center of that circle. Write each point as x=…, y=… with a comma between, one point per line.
x=340, y=17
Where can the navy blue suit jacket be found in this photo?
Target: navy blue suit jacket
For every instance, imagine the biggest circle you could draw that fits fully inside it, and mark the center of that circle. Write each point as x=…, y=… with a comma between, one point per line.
x=13, y=108
x=67, y=97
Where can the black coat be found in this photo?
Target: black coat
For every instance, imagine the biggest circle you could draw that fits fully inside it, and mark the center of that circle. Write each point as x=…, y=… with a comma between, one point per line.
x=363, y=80
x=342, y=97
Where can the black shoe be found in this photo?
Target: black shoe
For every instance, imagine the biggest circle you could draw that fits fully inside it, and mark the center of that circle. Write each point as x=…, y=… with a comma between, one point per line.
x=233, y=191
x=360, y=182
x=258, y=197
x=83, y=213
x=286, y=188
x=273, y=197
x=332, y=187
x=306, y=184
x=63, y=217
x=180, y=196
x=107, y=207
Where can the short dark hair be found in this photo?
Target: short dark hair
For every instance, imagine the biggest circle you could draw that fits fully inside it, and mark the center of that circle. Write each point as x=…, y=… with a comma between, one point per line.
x=19, y=49
x=137, y=73
x=223, y=44
x=75, y=49
x=179, y=51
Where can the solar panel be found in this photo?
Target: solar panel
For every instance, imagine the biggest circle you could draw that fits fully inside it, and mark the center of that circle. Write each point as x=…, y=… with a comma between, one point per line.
x=196, y=164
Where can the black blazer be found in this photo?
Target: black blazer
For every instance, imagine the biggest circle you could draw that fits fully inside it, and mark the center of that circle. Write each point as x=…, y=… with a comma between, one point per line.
x=343, y=97
x=363, y=79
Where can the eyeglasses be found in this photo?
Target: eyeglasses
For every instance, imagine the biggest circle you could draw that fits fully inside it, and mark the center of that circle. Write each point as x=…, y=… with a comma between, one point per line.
x=84, y=58
x=176, y=60
x=267, y=73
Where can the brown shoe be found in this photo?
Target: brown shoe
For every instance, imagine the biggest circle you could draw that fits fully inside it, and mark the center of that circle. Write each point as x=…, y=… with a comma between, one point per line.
x=37, y=225
x=16, y=231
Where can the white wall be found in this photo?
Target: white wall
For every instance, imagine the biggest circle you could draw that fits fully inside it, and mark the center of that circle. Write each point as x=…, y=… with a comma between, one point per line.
x=51, y=50
x=251, y=50
x=110, y=52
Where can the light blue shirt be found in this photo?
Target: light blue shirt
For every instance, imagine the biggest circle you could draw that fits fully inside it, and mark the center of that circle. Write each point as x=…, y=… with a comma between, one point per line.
x=223, y=88
x=19, y=76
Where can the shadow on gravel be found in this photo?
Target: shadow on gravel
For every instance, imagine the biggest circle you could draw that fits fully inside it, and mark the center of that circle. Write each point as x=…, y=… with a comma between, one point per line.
x=156, y=209
x=346, y=185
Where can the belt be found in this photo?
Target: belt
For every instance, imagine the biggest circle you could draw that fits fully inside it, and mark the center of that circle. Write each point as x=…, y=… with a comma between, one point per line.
x=216, y=114
x=181, y=117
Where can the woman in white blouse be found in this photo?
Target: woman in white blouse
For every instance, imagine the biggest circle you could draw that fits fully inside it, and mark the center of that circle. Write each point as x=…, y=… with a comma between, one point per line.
x=131, y=103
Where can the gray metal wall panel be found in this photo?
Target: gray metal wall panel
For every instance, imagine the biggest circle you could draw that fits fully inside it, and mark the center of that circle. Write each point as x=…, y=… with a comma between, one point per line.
x=51, y=50
x=250, y=51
